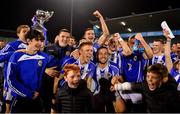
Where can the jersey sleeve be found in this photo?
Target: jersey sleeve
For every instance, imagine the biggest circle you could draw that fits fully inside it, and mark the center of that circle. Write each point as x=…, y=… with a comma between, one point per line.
x=6, y=52
x=91, y=71
x=96, y=46
x=13, y=82
x=52, y=61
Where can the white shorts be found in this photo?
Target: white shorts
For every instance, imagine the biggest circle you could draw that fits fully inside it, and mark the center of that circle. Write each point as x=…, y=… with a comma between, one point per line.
x=136, y=98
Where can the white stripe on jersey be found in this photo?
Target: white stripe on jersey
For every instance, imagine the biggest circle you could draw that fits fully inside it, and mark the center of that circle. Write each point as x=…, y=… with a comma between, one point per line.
x=5, y=48
x=85, y=71
x=105, y=74
x=177, y=77
x=157, y=59
x=22, y=45
x=28, y=57
x=9, y=82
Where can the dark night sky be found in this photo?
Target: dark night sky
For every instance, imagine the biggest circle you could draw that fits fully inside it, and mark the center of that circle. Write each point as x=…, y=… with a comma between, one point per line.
x=15, y=12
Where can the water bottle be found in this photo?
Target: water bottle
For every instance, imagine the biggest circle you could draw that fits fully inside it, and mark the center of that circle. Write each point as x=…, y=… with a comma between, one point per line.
x=97, y=31
x=135, y=46
x=137, y=49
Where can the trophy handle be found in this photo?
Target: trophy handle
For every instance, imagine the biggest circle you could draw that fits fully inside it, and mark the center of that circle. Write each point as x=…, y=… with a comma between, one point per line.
x=49, y=15
x=38, y=21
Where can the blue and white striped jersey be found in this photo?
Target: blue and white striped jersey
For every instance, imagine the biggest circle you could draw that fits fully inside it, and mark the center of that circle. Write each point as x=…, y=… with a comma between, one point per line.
x=176, y=74
x=108, y=72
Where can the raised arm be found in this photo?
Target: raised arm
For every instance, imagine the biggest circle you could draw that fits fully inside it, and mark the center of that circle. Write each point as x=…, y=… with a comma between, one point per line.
x=126, y=50
x=148, y=50
x=104, y=27
x=102, y=21
x=167, y=51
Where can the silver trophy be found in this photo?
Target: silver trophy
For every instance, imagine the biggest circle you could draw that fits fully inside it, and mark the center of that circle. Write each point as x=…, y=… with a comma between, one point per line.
x=39, y=19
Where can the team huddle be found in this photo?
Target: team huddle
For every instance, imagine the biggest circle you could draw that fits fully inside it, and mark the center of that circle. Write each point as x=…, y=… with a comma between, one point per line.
x=104, y=74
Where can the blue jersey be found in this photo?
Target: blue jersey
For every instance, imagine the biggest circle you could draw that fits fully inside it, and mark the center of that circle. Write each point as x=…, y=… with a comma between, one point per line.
x=176, y=74
x=174, y=57
x=133, y=67
x=10, y=48
x=57, y=51
x=95, y=47
x=6, y=52
x=25, y=72
x=161, y=59
x=115, y=57
x=86, y=70
x=108, y=72
x=158, y=59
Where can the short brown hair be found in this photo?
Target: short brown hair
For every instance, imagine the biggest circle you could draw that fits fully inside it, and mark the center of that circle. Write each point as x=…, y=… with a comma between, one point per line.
x=1, y=40
x=158, y=69
x=87, y=29
x=35, y=34
x=21, y=27
x=159, y=40
x=85, y=43
x=131, y=37
x=64, y=30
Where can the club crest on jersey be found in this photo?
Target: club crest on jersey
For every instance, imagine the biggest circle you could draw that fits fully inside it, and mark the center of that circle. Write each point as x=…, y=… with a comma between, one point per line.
x=87, y=71
x=108, y=76
x=135, y=58
x=40, y=63
x=161, y=62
